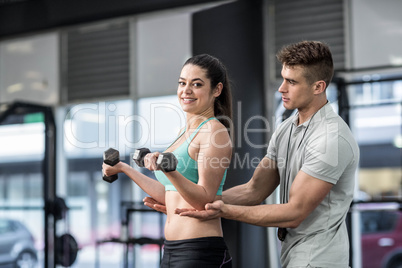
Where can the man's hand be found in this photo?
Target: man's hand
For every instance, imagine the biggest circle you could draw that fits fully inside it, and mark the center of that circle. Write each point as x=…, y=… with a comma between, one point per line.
x=212, y=211
x=152, y=203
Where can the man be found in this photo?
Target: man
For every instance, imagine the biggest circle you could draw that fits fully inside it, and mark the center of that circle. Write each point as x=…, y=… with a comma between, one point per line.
x=313, y=157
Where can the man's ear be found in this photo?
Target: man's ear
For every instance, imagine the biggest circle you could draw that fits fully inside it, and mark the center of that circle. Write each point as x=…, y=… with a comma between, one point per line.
x=218, y=90
x=320, y=87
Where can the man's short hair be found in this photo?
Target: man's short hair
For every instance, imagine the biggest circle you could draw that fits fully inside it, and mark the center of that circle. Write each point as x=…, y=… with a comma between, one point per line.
x=314, y=56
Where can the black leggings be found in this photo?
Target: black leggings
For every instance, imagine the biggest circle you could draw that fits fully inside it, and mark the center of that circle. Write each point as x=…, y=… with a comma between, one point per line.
x=204, y=252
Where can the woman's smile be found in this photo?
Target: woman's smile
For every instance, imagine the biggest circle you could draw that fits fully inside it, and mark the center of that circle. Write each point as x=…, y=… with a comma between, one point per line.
x=188, y=100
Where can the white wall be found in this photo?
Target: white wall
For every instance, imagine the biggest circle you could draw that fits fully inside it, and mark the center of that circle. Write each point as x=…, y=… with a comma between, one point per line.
x=29, y=69
x=376, y=33
x=163, y=44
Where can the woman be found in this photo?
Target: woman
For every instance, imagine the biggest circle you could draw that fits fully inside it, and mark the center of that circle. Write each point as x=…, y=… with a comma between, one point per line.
x=203, y=150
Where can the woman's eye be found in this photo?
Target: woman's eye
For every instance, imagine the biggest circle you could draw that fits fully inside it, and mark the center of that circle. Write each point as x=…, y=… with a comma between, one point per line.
x=181, y=83
x=197, y=84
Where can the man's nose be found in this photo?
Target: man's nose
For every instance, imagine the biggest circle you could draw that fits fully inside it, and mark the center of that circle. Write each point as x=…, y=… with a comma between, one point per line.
x=282, y=88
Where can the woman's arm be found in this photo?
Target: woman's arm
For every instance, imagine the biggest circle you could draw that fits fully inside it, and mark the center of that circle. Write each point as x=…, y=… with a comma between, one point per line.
x=152, y=187
x=213, y=159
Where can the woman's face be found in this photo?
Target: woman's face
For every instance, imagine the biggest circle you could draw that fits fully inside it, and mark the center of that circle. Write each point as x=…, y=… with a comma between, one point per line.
x=194, y=90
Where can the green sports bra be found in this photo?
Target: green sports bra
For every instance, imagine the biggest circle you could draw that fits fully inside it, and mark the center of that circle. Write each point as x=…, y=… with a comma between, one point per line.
x=186, y=165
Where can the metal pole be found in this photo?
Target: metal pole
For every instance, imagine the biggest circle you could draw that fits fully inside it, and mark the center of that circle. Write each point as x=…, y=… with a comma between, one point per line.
x=49, y=188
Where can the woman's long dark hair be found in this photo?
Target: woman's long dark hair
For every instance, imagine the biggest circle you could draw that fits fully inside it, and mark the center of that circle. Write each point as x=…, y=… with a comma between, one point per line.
x=217, y=73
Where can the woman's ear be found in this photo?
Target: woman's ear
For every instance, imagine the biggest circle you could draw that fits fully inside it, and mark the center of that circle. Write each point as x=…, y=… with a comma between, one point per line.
x=218, y=90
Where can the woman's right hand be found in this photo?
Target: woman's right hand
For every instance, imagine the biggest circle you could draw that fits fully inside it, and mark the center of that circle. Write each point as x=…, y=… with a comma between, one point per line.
x=111, y=170
x=152, y=203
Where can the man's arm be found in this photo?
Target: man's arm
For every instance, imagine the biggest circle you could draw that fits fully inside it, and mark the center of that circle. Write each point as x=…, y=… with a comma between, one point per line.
x=306, y=193
x=264, y=181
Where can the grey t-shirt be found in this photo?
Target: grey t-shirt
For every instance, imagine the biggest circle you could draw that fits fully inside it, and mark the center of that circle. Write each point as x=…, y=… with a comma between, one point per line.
x=324, y=148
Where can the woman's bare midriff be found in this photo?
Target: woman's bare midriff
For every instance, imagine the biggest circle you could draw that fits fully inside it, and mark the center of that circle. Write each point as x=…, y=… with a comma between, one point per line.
x=182, y=227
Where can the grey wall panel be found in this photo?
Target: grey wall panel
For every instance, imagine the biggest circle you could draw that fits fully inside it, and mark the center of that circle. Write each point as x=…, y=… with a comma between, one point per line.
x=233, y=33
x=34, y=15
x=321, y=20
x=97, y=61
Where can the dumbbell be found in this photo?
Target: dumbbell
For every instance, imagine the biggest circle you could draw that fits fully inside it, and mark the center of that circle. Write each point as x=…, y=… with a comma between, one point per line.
x=166, y=161
x=139, y=156
x=111, y=157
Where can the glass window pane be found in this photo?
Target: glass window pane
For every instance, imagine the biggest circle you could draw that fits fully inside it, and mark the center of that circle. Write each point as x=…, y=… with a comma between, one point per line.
x=376, y=121
x=372, y=90
x=164, y=118
x=92, y=128
x=89, y=130
x=378, y=132
x=21, y=185
x=22, y=142
x=381, y=229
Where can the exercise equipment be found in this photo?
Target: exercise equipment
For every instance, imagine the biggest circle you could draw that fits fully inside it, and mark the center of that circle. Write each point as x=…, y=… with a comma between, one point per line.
x=14, y=113
x=66, y=250
x=139, y=156
x=166, y=162
x=111, y=157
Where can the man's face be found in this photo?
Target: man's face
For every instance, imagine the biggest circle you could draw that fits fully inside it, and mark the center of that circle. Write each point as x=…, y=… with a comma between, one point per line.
x=297, y=93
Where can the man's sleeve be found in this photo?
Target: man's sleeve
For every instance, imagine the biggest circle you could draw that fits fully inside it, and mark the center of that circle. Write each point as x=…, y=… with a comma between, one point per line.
x=272, y=149
x=327, y=157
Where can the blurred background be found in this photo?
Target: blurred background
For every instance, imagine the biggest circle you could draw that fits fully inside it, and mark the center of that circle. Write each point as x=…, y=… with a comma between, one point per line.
x=79, y=77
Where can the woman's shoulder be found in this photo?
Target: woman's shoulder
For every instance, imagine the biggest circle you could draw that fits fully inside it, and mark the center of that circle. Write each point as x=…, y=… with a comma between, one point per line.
x=213, y=126
x=215, y=133
x=210, y=129
x=213, y=136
